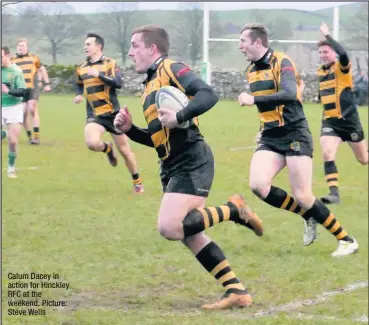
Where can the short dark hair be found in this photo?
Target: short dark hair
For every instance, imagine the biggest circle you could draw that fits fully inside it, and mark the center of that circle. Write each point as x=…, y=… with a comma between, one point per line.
x=153, y=34
x=324, y=43
x=98, y=39
x=6, y=50
x=257, y=31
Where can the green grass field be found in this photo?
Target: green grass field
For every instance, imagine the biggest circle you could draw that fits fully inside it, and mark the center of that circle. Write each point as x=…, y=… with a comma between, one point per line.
x=70, y=213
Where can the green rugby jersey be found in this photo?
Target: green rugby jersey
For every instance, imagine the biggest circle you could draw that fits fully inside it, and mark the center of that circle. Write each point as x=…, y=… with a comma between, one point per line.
x=12, y=77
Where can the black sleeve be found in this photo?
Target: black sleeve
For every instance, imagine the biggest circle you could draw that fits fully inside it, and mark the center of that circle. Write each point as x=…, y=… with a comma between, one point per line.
x=288, y=87
x=20, y=92
x=78, y=89
x=204, y=96
x=139, y=135
x=343, y=57
x=114, y=80
x=89, y=110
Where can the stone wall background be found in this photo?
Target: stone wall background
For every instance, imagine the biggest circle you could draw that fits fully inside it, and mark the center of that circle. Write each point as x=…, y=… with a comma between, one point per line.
x=228, y=84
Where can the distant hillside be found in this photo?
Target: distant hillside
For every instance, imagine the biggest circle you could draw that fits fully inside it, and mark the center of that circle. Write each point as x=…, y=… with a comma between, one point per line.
x=296, y=17
x=346, y=12
x=304, y=25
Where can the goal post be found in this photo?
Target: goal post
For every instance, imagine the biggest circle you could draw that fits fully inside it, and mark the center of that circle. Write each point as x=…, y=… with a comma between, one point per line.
x=206, y=66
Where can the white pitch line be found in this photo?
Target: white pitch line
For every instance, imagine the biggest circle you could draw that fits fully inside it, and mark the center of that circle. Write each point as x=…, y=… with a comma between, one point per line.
x=362, y=319
x=25, y=168
x=291, y=306
x=309, y=302
x=242, y=148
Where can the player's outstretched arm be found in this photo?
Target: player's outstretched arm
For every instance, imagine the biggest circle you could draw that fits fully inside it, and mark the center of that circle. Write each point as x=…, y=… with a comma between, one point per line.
x=78, y=87
x=45, y=78
x=342, y=54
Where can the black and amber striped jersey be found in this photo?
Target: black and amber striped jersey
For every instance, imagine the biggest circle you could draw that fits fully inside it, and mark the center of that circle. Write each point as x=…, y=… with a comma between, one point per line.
x=29, y=63
x=100, y=91
x=273, y=84
x=168, y=142
x=335, y=86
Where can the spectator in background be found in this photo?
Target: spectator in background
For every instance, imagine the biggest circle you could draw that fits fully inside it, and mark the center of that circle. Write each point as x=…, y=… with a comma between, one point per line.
x=361, y=89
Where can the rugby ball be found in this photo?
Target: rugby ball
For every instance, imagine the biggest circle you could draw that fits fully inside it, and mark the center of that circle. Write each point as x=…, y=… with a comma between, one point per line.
x=174, y=99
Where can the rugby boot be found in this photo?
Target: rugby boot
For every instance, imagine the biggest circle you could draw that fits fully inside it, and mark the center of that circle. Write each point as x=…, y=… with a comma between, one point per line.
x=230, y=300
x=247, y=217
x=330, y=199
x=112, y=158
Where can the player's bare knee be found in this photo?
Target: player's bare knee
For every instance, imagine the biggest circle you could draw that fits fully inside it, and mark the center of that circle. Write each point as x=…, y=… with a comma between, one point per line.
x=93, y=146
x=32, y=110
x=260, y=189
x=12, y=142
x=304, y=199
x=328, y=154
x=363, y=160
x=170, y=232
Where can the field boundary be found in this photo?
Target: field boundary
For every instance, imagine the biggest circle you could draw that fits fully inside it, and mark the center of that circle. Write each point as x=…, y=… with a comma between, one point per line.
x=310, y=302
x=25, y=168
x=292, y=306
x=242, y=148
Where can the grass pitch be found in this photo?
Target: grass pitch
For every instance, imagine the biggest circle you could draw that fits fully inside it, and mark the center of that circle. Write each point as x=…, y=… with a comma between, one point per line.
x=70, y=213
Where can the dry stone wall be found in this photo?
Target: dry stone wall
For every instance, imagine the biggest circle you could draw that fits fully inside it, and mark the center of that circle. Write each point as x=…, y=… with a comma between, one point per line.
x=227, y=84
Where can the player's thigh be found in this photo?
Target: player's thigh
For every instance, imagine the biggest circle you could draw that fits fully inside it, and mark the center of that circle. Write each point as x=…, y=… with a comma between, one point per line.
x=193, y=173
x=189, y=183
x=360, y=150
x=175, y=206
x=265, y=165
x=329, y=145
x=26, y=109
x=300, y=173
x=93, y=132
x=13, y=131
x=32, y=106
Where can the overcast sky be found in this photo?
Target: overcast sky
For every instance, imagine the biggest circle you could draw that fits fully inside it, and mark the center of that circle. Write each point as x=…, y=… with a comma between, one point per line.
x=94, y=6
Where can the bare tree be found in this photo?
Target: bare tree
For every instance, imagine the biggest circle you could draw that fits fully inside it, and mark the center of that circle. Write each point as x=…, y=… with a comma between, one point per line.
x=29, y=23
x=280, y=30
x=256, y=16
x=60, y=25
x=119, y=22
x=9, y=17
x=7, y=22
x=188, y=40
